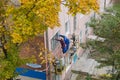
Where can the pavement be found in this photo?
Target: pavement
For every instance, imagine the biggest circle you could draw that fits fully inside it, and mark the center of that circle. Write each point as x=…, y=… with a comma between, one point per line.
x=70, y=75
x=87, y=65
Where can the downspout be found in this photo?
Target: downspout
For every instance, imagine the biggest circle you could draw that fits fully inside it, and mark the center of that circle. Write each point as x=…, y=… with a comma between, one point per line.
x=47, y=43
x=47, y=63
x=74, y=24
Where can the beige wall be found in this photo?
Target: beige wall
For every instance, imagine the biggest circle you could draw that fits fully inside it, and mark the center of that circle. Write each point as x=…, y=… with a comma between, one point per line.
x=81, y=21
x=63, y=19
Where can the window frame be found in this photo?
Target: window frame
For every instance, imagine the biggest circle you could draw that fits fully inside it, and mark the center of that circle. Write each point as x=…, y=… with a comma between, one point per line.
x=54, y=42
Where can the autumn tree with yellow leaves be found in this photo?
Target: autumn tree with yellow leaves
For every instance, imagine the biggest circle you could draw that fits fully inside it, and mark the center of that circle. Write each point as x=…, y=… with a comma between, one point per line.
x=29, y=18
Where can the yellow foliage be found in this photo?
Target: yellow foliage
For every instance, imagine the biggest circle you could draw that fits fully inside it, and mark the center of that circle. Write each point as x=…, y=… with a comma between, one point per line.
x=33, y=17
x=6, y=46
x=82, y=6
x=43, y=61
x=9, y=10
x=42, y=58
x=48, y=58
x=44, y=9
x=16, y=38
x=106, y=75
x=40, y=54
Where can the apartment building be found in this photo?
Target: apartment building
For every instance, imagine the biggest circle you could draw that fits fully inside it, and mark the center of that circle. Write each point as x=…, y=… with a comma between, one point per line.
x=70, y=25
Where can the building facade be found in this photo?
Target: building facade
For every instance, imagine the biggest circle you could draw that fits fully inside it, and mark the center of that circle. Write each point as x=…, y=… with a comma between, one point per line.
x=70, y=25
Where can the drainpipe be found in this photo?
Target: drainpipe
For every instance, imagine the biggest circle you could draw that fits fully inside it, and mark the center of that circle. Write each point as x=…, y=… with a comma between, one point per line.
x=74, y=24
x=47, y=43
x=47, y=47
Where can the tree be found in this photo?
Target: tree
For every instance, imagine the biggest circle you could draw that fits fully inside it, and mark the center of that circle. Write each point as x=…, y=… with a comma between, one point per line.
x=108, y=27
x=33, y=17
x=30, y=18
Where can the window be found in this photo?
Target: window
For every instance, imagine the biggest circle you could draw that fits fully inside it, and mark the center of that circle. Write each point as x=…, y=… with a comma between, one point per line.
x=86, y=31
x=75, y=23
x=80, y=36
x=54, y=42
x=75, y=57
x=67, y=27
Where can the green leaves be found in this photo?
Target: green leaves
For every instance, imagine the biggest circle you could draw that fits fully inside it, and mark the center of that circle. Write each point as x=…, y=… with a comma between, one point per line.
x=9, y=64
x=108, y=27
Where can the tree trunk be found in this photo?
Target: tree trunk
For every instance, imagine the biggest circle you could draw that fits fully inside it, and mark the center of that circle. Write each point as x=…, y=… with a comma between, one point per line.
x=4, y=51
x=3, y=48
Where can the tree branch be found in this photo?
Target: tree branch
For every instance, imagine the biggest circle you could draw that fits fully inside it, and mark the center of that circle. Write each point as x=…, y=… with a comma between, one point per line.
x=31, y=8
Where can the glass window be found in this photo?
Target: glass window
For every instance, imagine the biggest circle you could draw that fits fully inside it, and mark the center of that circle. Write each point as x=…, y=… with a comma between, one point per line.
x=75, y=57
x=86, y=31
x=80, y=36
x=54, y=42
x=75, y=22
x=67, y=27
